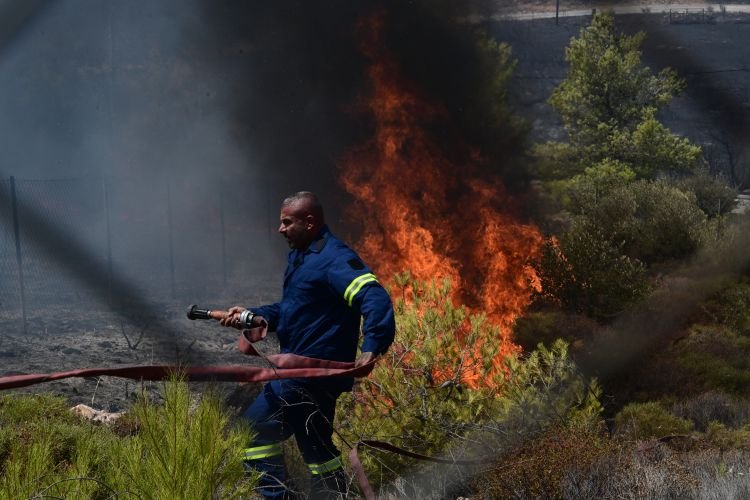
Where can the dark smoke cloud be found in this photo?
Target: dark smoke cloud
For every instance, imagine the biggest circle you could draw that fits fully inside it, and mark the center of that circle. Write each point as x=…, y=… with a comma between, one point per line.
x=265, y=96
x=294, y=76
x=299, y=87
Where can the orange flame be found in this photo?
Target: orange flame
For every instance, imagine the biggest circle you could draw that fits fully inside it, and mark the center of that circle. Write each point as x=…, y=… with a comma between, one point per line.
x=424, y=212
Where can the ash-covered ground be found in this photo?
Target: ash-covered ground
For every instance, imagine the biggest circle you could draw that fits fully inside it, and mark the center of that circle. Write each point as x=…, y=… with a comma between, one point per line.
x=62, y=339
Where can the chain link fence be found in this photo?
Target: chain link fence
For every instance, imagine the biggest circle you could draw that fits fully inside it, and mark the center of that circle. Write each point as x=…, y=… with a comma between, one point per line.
x=88, y=243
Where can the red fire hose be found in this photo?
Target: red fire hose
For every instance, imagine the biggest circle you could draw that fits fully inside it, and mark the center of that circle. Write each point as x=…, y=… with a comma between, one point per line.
x=282, y=366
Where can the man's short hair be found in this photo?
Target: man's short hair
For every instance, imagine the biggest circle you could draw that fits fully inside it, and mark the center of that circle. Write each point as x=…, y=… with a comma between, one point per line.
x=313, y=205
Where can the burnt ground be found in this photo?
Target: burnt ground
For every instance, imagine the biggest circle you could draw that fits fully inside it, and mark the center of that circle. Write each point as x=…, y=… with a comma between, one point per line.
x=62, y=339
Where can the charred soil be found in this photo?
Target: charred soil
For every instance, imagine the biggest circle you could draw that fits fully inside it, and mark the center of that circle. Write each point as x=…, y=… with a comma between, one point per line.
x=63, y=340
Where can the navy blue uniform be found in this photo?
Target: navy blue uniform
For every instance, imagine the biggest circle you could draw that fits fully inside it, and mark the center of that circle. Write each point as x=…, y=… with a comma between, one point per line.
x=328, y=294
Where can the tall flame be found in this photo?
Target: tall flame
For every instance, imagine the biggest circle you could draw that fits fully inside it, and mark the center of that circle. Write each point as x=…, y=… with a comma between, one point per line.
x=429, y=214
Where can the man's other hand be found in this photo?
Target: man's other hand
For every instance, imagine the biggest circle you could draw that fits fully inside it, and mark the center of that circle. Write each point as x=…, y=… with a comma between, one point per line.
x=364, y=358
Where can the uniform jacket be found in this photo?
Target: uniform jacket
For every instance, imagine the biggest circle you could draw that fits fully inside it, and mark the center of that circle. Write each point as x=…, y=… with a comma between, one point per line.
x=328, y=294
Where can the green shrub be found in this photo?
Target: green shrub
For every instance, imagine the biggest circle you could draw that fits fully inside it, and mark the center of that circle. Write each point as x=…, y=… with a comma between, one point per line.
x=649, y=420
x=713, y=195
x=181, y=452
x=46, y=450
x=446, y=384
x=544, y=327
x=34, y=408
x=715, y=358
x=714, y=406
x=177, y=451
x=733, y=307
x=540, y=468
x=585, y=191
x=724, y=438
x=585, y=273
x=537, y=328
x=654, y=220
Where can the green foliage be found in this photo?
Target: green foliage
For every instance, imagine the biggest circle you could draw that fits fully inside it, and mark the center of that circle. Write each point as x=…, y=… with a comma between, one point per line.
x=539, y=468
x=546, y=387
x=649, y=420
x=483, y=109
x=447, y=382
x=586, y=273
x=608, y=104
x=723, y=438
x=729, y=243
x=713, y=195
x=33, y=408
x=488, y=106
x=182, y=452
x=496, y=68
x=655, y=221
x=606, y=81
x=618, y=219
x=714, y=406
x=537, y=328
x=715, y=358
x=615, y=228
x=731, y=375
x=45, y=450
x=482, y=106
x=544, y=327
x=554, y=161
x=652, y=148
x=586, y=190
x=177, y=451
x=474, y=98
x=732, y=307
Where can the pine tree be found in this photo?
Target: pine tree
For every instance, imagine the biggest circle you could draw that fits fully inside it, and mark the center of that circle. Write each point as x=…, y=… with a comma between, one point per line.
x=608, y=103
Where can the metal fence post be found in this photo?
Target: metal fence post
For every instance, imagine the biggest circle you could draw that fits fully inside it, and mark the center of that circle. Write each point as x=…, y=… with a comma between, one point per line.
x=19, y=257
x=171, y=242
x=222, y=212
x=107, y=225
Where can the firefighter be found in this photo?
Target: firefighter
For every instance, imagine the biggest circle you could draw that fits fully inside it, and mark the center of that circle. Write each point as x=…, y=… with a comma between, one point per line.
x=329, y=296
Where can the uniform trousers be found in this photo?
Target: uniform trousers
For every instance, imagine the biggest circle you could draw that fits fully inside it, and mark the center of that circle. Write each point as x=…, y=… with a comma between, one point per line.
x=304, y=408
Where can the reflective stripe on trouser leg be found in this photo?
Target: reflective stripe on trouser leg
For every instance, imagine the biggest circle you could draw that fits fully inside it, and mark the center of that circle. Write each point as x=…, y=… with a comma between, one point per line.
x=332, y=465
x=264, y=451
x=269, y=461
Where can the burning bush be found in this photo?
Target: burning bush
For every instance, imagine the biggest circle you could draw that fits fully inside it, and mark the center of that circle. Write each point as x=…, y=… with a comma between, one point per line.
x=439, y=391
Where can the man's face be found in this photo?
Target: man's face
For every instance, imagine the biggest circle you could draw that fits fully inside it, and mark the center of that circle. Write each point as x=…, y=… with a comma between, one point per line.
x=296, y=226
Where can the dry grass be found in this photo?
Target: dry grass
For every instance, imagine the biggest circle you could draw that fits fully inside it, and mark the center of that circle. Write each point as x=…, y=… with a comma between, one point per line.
x=582, y=465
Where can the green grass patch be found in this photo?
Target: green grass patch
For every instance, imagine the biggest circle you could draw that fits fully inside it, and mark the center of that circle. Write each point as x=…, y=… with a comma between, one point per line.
x=184, y=448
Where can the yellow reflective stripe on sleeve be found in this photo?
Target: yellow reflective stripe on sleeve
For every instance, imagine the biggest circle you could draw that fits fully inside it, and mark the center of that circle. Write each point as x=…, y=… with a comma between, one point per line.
x=330, y=466
x=265, y=451
x=356, y=285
